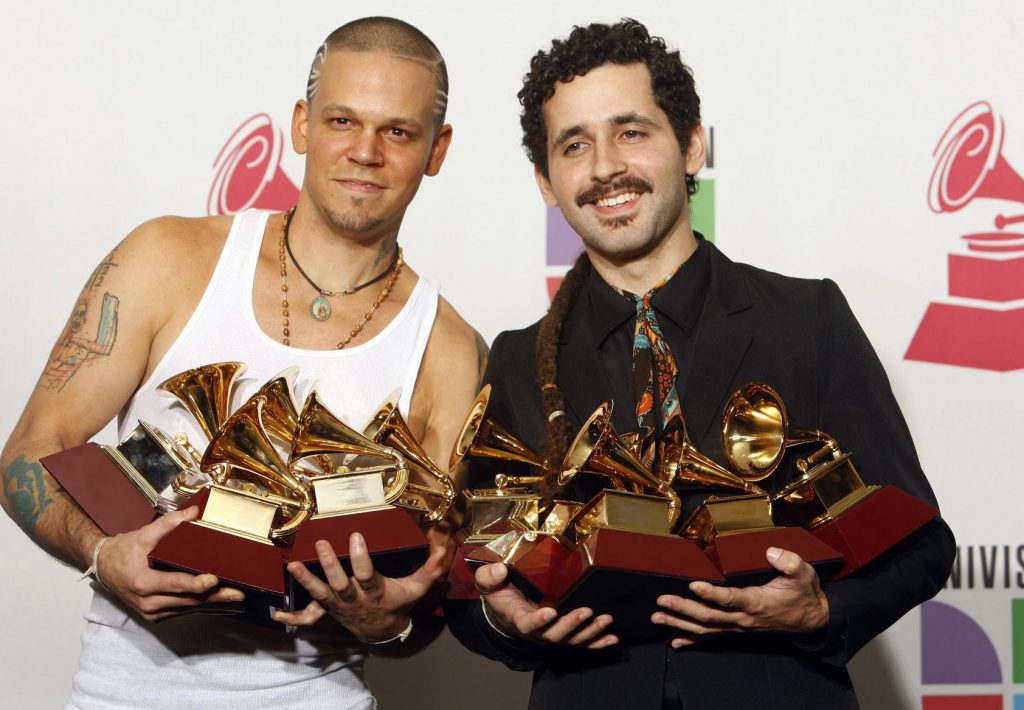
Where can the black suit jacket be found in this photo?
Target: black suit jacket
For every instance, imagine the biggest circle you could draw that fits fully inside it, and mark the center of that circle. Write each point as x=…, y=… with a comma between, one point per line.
x=799, y=336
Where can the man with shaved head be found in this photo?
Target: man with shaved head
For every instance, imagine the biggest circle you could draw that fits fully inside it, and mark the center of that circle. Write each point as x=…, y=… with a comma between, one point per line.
x=323, y=287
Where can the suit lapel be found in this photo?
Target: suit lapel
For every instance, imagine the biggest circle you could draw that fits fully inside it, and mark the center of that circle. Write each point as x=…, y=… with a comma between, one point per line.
x=722, y=343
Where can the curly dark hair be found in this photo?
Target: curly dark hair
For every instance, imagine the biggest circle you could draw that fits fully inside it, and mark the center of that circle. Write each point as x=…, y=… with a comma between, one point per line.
x=586, y=48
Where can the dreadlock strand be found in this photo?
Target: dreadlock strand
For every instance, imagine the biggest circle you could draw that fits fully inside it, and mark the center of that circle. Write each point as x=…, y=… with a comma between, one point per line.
x=553, y=401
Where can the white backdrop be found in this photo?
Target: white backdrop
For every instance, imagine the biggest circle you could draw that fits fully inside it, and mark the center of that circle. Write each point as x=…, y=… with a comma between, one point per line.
x=825, y=118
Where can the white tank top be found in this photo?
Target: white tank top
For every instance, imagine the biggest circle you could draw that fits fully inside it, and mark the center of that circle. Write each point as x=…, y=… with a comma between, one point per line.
x=208, y=661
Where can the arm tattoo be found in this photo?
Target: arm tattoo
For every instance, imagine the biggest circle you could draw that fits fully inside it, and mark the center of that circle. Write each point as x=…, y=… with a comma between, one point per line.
x=75, y=347
x=482, y=352
x=25, y=489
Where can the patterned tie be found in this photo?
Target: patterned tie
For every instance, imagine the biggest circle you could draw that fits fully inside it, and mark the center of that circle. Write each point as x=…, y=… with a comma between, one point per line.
x=654, y=368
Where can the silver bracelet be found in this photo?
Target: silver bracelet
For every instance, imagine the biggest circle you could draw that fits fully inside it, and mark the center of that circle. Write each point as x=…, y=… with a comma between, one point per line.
x=93, y=569
x=400, y=638
x=490, y=621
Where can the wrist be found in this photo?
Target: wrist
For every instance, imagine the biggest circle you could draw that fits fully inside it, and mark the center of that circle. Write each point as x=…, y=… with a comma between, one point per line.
x=397, y=633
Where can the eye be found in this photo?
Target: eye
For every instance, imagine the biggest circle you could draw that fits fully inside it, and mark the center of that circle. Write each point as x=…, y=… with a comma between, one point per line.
x=632, y=134
x=398, y=133
x=574, y=148
x=341, y=121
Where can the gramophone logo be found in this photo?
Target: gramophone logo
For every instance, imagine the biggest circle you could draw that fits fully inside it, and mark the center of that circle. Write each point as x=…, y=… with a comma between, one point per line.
x=981, y=322
x=248, y=171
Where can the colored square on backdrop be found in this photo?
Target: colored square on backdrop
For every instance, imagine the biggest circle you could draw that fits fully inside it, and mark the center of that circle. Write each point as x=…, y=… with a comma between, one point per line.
x=962, y=702
x=1018, y=643
x=702, y=209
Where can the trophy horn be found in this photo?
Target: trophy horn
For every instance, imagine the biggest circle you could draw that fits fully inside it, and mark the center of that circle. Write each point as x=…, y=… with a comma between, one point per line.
x=486, y=437
x=389, y=428
x=206, y=392
x=598, y=449
x=243, y=447
x=756, y=432
x=679, y=461
x=280, y=417
x=321, y=432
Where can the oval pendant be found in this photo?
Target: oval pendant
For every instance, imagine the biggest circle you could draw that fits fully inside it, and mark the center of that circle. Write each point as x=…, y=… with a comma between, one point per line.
x=320, y=309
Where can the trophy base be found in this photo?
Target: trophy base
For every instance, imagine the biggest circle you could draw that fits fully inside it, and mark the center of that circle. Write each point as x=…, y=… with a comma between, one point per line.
x=873, y=526
x=396, y=545
x=982, y=338
x=100, y=488
x=533, y=566
x=622, y=573
x=254, y=567
x=461, y=583
x=741, y=555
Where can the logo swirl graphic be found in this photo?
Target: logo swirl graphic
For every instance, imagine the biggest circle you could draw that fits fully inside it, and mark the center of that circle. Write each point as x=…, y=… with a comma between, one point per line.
x=248, y=171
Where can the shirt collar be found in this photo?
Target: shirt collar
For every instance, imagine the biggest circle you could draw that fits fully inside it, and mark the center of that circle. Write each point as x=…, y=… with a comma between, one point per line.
x=681, y=299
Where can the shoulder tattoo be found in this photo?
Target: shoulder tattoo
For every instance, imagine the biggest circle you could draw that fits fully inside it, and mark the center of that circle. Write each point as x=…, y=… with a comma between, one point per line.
x=89, y=333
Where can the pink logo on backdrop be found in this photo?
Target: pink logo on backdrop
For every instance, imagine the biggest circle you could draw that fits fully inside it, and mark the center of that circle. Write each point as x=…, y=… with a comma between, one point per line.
x=981, y=322
x=248, y=171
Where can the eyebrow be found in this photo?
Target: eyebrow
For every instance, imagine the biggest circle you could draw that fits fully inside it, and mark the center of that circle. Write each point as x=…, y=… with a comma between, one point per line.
x=621, y=119
x=393, y=121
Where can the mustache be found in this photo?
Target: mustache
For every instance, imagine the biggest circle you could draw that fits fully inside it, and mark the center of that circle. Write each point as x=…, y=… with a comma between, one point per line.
x=624, y=183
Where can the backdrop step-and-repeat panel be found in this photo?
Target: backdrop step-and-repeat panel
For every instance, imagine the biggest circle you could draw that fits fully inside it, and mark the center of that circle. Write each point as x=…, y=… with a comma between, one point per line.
x=880, y=144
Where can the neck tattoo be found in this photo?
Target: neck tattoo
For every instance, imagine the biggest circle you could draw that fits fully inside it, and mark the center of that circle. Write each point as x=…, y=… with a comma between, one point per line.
x=284, y=249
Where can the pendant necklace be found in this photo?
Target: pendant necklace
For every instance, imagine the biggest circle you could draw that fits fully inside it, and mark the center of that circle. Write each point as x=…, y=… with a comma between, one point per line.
x=320, y=307
x=393, y=271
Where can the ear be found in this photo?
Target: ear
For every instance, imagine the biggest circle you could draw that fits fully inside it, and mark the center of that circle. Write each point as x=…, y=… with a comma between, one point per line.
x=300, y=124
x=438, y=150
x=696, y=152
x=545, y=187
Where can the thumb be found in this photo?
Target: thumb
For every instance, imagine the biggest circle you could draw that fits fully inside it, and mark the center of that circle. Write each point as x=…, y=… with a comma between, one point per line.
x=491, y=578
x=430, y=571
x=786, y=562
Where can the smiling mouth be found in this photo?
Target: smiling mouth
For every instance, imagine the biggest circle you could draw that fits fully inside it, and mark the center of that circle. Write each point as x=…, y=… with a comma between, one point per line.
x=616, y=200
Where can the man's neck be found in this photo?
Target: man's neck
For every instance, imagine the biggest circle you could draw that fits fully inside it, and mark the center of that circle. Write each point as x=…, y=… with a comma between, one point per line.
x=335, y=258
x=642, y=273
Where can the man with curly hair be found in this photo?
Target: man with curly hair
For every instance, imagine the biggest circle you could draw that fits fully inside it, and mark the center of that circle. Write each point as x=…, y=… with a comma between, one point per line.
x=654, y=314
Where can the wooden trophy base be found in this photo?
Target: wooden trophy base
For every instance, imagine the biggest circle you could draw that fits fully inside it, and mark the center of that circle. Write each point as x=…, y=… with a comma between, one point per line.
x=256, y=568
x=533, y=566
x=100, y=489
x=622, y=573
x=396, y=545
x=874, y=525
x=741, y=555
x=461, y=583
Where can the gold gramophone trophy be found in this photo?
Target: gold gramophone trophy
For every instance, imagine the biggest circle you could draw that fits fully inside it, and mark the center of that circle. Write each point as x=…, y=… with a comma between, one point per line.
x=626, y=554
x=511, y=507
x=735, y=530
x=123, y=487
x=829, y=498
x=251, y=507
x=366, y=499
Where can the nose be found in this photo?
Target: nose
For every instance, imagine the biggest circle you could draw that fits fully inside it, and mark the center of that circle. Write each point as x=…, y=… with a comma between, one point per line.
x=608, y=162
x=365, y=149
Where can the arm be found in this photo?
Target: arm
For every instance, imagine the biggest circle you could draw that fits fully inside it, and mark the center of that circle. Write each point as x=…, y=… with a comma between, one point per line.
x=835, y=620
x=96, y=364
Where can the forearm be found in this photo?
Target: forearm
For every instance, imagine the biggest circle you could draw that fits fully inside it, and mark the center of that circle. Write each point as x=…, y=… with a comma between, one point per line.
x=41, y=508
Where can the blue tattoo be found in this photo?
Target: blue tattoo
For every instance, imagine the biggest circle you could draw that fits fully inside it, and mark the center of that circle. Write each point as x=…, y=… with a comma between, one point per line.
x=25, y=486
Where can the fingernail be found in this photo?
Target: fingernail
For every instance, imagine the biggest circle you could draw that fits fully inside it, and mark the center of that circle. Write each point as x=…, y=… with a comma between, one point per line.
x=583, y=614
x=500, y=571
x=550, y=614
x=235, y=595
x=773, y=553
x=676, y=643
x=612, y=640
x=357, y=539
x=657, y=619
x=321, y=545
x=698, y=587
